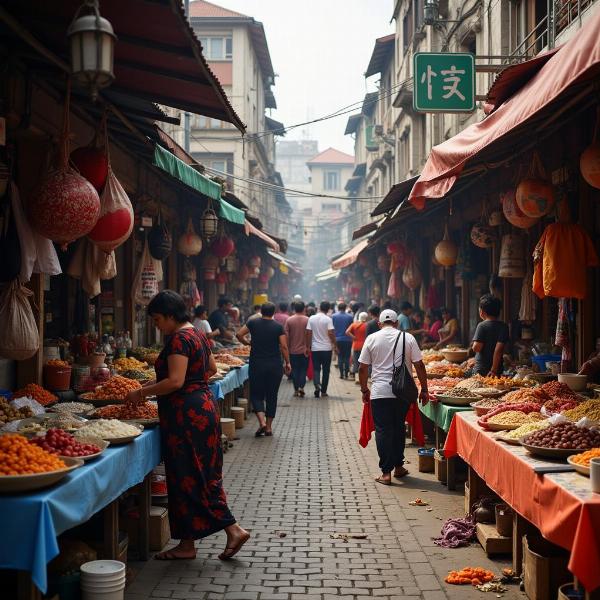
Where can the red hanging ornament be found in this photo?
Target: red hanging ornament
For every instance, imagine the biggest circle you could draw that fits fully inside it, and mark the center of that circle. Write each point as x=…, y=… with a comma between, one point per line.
x=222, y=247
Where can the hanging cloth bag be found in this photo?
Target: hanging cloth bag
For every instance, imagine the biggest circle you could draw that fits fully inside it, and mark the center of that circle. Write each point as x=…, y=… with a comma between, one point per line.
x=20, y=338
x=146, y=279
x=403, y=384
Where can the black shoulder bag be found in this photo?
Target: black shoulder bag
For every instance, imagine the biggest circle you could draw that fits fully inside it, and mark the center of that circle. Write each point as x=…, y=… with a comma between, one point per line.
x=403, y=384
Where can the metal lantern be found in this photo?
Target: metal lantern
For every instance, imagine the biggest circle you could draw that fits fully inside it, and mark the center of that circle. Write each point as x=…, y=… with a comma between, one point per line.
x=208, y=224
x=92, y=41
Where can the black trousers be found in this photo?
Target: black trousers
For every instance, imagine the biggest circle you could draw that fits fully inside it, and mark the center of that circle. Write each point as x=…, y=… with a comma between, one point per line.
x=299, y=364
x=389, y=415
x=344, y=350
x=321, y=360
x=265, y=377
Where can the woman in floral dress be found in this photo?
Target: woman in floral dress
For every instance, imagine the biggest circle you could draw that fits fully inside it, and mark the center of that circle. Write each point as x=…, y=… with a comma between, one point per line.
x=190, y=433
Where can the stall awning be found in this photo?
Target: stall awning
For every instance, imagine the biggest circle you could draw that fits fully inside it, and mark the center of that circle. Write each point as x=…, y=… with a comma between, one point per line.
x=284, y=263
x=327, y=274
x=398, y=192
x=364, y=230
x=350, y=257
x=565, y=78
x=269, y=241
x=168, y=162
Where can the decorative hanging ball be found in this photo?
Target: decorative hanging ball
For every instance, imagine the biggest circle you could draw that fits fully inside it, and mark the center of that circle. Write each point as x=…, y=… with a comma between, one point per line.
x=160, y=241
x=92, y=163
x=189, y=243
x=514, y=215
x=535, y=197
x=64, y=207
x=589, y=165
x=222, y=247
x=446, y=252
x=482, y=235
x=209, y=223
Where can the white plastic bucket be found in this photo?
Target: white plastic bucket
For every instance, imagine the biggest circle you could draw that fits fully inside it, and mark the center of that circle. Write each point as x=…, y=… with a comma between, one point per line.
x=102, y=584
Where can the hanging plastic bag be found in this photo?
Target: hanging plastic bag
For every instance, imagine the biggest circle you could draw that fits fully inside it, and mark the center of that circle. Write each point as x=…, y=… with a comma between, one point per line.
x=145, y=285
x=20, y=338
x=37, y=252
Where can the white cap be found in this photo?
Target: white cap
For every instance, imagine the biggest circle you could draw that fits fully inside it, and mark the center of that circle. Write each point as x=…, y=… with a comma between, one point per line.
x=388, y=316
x=297, y=298
x=363, y=316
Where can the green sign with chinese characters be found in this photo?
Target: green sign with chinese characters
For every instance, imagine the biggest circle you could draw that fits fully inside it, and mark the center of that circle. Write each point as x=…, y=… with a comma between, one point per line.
x=444, y=82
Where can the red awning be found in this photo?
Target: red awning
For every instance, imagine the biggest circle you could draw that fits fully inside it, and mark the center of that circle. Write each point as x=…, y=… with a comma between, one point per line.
x=270, y=242
x=350, y=257
x=577, y=62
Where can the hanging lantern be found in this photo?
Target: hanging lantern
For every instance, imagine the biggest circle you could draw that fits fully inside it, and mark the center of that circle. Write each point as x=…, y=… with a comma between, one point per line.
x=482, y=235
x=209, y=274
x=160, y=241
x=189, y=243
x=208, y=225
x=514, y=215
x=254, y=273
x=91, y=39
x=446, y=252
x=512, y=257
x=231, y=264
x=589, y=165
x=222, y=277
x=411, y=276
x=535, y=197
x=222, y=247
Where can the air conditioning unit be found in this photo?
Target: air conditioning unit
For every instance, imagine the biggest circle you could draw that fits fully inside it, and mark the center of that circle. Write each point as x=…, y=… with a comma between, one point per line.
x=378, y=130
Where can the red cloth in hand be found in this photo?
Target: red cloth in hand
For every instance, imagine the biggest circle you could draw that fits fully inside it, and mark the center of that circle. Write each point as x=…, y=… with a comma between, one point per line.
x=413, y=418
x=367, y=425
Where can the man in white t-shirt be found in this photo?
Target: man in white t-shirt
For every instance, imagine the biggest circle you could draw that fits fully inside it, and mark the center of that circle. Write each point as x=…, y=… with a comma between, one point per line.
x=320, y=338
x=389, y=413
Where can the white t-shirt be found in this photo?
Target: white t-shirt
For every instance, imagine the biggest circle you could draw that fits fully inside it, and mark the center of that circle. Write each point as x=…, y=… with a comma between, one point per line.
x=202, y=325
x=377, y=352
x=320, y=324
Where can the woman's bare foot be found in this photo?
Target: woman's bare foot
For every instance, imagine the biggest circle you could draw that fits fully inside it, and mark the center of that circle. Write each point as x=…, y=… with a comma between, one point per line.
x=184, y=550
x=236, y=538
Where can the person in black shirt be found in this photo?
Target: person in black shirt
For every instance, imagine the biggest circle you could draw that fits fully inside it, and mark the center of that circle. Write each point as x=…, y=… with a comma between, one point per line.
x=373, y=324
x=219, y=319
x=268, y=343
x=490, y=337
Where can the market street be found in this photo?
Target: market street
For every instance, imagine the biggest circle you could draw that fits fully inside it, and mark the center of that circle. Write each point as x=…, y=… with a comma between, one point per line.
x=296, y=490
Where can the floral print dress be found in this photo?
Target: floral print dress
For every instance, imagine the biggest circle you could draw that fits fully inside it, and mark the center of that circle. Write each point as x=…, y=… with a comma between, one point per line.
x=191, y=443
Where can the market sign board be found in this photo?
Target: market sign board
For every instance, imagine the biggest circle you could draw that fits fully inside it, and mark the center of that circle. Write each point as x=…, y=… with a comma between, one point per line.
x=444, y=82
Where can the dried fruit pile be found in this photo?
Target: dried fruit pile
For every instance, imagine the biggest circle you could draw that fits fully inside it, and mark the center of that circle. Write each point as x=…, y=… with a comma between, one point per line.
x=470, y=575
x=9, y=413
x=19, y=457
x=558, y=405
x=566, y=436
x=525, y=407
x=58, y=363
x=514, y=418
x=116, y=388
x=589, y=409
x=124, y=364
x=585, y=457
x=57, y=441
x=37, y=392
x=526, y=429
x=148, y=410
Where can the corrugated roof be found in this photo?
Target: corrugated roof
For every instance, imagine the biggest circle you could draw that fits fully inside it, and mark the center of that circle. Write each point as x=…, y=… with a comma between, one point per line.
x=383, y=50
x=352, y=124
x=200, y=8
x=331, y=156
x=395, y=196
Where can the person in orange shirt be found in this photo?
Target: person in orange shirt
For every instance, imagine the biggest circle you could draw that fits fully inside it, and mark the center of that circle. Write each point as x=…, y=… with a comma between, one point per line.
x=357, y=332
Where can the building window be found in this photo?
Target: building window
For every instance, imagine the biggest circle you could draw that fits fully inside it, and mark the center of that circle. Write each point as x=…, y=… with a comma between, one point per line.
x=217, y=48
x=208, y=123
x=407, y=27
x=331, y=180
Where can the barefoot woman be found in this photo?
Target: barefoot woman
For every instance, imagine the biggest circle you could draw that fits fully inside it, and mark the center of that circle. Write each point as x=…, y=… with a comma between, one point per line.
x=190, y=432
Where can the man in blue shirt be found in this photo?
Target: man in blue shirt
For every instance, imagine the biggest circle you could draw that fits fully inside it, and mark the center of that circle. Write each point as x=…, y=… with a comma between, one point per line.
x=341, y=321
x=404, y=323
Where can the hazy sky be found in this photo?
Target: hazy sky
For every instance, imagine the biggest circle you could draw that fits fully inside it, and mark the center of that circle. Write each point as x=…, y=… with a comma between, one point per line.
x=320, y=50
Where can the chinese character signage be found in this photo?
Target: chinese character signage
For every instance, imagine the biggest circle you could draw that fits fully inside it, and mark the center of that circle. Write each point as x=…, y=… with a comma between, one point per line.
x=444, y=82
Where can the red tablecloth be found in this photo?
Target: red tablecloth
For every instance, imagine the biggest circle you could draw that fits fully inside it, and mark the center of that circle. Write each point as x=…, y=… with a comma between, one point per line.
x=413, y=418
x=560, y=505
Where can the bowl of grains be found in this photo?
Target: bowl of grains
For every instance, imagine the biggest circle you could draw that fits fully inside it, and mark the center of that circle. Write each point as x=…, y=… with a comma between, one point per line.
x=458, y=397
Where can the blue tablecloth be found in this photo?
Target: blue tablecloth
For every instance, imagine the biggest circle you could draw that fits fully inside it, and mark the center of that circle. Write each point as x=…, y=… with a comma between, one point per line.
x=31, y=522
x=216, y=390
x=234, y=379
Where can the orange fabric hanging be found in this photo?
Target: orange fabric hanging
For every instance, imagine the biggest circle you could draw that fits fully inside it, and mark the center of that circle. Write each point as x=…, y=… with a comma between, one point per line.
x=561, y=258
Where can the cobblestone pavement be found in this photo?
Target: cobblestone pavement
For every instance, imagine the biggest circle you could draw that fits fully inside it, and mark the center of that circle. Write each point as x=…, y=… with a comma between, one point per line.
x=296, y=492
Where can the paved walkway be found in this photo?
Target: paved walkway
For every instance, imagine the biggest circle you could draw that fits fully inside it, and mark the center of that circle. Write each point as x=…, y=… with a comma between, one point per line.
x=296, y=492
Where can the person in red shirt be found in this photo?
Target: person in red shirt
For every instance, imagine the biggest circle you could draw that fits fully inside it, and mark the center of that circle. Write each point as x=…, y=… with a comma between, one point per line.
x=358, y=333
x=295, y=329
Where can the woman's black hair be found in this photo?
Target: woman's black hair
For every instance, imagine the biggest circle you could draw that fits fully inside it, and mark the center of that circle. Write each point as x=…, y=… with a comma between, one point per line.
x=169, y=304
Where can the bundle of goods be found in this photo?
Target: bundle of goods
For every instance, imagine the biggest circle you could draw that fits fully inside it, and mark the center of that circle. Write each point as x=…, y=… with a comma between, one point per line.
x=116, y=388
x=20, y=457
x=57, y=441
x=125, y=364
x=37, y=392
x=566, y=436
x=10, y=413
x=138, y=374
x=513, y=418
x=469, y=575
x=72, y=407
x=584, y=458
x=526, y=429
x=148, y=410
x=589, y=409
x=228, y=359
x=107, y=429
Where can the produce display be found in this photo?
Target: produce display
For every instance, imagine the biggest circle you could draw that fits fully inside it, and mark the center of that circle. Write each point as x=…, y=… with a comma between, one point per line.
x=588, y=408
x=526, y=429
x=37, y=392
x=584, y=458
x=564, y=435
x=555, y=389
x=558, y=405
x=432, y=356
x=116, y=388
x=57, y=441
x=488, y=403
x=58, y=363
x=72, y=407
x=49, y=421
x=524, y=407
x=138, y=374
x=239, y=351
x=88, y=383
x=513, y=418
x=9, y=413
x=445, y=368
x=504, y=382
x=469, y=575
x=228, y=359
x=523, y=395
x=20, y=457
x=148, y=355
x=461, y=393
x=471, y=383
x=148, y=410
x=125, y=364
x=107, y=429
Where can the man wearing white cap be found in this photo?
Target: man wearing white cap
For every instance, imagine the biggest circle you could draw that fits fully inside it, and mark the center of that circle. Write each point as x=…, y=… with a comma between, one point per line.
x=389, y=412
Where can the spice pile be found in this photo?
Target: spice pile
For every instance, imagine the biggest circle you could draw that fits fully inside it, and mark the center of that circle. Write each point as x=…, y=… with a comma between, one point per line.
x=107, y=429
x=57, y=441
x=565, y=436
x=514, y=418
x=72, y=407
x=589, y=409
x=37, y=392
x=488, y=403
x=584, y=458
x=461, y=393
x=148, y=410
x=525, y=407
x=526, y=429
x=522, y=395
x=116, y=388
x=148, y=355
x=224, y=358
x=9, y=413
x=138, y=374
x=558, y=405
x=470, y=575
x=19, y=457
x=124, y=364
x=445, y=368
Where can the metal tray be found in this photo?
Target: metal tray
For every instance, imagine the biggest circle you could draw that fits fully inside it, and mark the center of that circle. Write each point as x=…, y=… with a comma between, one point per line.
x=562, y=453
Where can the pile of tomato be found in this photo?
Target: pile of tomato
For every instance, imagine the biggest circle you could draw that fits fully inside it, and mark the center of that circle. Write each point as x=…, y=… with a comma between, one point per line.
x=57, y=441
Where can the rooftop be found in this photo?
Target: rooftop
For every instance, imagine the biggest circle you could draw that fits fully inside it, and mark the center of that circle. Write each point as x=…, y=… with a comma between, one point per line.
x=200, y=8
x=331, y=156
x=382, y=52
